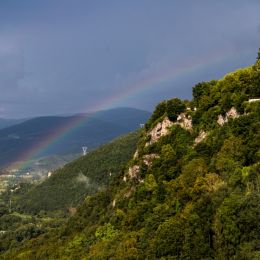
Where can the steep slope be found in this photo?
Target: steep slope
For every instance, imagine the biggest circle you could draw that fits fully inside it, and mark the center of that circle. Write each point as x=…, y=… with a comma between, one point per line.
x=191, y=190
x=93, y=130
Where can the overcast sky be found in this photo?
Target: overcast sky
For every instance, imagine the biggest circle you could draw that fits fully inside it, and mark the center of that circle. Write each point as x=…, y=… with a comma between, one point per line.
x=66, y=56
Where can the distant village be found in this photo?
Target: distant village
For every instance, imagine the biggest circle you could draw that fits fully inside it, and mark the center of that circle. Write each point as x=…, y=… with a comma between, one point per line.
x=12, y=178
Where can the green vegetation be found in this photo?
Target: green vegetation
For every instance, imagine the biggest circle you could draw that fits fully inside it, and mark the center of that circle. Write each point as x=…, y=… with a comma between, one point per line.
x=32, y=210
x=68, y=186
x=171, y=108
x=195, y=200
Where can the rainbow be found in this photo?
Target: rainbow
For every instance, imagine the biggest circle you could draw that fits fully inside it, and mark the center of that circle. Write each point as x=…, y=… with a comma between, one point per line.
x=141, y=86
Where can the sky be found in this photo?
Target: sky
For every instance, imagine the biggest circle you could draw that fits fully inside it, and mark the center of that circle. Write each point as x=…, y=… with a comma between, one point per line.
x=70, y=56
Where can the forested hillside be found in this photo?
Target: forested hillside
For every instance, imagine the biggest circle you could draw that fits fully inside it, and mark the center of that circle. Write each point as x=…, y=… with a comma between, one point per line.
x=68, y=185
x=191, y=190
x=28, y=210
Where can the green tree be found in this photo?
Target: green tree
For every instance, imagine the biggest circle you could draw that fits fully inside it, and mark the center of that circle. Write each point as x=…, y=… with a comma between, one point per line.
x=200, y=90
x=106, y=232
x=159, y=111
x=169, y=238
x=231, y=156
x=174, y=108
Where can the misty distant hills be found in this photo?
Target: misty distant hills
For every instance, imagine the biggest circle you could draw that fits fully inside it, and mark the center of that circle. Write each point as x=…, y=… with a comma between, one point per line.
x=60, y=135
x=9, y=122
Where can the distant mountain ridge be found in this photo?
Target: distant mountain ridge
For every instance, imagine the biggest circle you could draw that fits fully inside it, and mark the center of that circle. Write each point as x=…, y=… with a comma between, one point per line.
x=9, y=122
x=89, y=130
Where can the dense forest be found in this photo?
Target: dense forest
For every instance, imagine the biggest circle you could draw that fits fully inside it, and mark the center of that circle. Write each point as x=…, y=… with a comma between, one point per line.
x=27, y=210
x=190, y=191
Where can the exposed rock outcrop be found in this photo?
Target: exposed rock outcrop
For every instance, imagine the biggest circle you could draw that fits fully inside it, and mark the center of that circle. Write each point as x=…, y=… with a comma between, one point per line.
x=221, y=120
x=114, y=203
x=202, y=135
x=232, y=113
x=254, y=100
x=148, y=158
x=184, y=121
x=133, y=171
x=136, y=154
x=161, y=129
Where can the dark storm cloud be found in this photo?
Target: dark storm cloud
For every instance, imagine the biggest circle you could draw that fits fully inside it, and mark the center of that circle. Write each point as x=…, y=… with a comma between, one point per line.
x=66, y=56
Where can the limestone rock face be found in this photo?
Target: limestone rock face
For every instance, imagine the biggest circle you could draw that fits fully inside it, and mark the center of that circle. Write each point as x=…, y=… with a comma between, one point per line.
x=254, y=100
x=202, y=135
x=161, y=129
x=148, y=158
x=184, y=121
x=133, y=171
x=114, y=203
x=232, y=113
x=221, y=120
x=136, y=154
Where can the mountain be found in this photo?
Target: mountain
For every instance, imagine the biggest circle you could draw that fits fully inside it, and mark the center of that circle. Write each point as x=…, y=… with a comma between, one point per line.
x=190, y=191
x=123, y=116
x=9, y=122
x=69, y=185
x=66, y=135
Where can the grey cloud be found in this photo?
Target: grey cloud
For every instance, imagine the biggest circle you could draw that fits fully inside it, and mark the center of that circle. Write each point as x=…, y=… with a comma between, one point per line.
x=258, y=28
x=69, y=56
x=11, y=70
